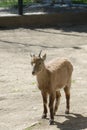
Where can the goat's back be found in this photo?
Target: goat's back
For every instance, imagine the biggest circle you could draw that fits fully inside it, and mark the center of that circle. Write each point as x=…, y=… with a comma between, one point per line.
x=61, y=71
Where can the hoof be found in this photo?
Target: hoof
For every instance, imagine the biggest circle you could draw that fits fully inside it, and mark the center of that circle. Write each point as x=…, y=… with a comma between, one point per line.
x=44, y=116
x=51, y=122
x=67, y=112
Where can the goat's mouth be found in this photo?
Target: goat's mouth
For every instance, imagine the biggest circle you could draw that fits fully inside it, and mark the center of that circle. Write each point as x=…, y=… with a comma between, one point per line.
x=33, y=73
x=36, y=72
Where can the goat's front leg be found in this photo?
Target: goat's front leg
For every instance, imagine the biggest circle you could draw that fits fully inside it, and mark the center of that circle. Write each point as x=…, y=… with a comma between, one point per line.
x=51, y=107
x=44, y=96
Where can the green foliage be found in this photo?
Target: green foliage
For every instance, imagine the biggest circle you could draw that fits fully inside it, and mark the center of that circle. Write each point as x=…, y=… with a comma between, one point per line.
x=27, y=1
x=79, y=1
x=11, y=3
x=14, y=3
x=8, y=3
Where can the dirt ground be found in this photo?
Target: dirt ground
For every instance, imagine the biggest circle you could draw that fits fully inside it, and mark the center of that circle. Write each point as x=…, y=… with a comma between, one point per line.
x=20, y=100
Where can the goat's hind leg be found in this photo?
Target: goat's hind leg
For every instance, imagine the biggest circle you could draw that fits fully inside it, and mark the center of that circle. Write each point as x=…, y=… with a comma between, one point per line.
x=58, y=95
x=67, y=94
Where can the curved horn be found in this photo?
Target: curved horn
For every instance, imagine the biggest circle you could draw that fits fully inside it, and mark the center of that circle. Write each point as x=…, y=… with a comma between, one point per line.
x=40, y=53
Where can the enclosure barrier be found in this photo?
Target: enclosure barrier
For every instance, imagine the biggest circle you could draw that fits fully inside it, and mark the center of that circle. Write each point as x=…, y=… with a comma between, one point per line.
x=44, y=19
x=20, y=7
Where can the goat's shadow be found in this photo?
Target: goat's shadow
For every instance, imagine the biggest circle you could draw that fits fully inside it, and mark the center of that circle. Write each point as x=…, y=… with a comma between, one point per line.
x=73, y=122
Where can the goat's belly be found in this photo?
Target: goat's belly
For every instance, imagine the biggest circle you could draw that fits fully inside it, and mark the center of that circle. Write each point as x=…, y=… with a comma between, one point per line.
x=59, y=83
x=59, y=87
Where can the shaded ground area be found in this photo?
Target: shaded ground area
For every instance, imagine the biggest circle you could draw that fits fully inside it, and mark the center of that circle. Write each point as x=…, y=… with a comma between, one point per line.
x=20, y=100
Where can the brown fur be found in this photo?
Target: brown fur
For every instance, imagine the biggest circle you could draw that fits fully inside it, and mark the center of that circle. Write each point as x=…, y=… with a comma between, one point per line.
x=52, y=77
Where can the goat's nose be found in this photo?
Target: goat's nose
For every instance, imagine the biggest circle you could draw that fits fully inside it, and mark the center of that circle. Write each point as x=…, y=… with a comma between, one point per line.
x=33, y=72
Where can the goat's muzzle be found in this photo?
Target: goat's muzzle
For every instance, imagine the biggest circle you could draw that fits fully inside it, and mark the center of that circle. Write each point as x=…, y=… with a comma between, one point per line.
x=33, y=73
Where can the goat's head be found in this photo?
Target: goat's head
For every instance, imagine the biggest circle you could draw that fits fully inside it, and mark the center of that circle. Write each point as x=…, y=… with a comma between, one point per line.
x=38, y=63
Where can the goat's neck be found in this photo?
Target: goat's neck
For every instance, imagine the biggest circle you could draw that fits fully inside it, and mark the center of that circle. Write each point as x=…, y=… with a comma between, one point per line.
x=43, y=74
x=43, y=77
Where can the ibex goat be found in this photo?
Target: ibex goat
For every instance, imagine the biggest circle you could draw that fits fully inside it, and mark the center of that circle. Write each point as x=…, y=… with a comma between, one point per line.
x=52, y=77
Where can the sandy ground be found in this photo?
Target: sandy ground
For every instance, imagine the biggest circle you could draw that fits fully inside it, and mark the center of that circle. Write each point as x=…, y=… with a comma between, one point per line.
x=20, y=99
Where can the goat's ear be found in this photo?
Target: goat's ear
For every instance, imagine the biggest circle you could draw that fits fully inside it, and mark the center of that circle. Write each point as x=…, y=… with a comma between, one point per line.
x=32, y=55
x=44, y=57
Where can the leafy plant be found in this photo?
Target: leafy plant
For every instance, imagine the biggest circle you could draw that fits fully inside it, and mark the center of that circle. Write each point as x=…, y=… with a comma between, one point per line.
x=79, y=1
x=14, y=3
x=8, y=3
x=11, y=3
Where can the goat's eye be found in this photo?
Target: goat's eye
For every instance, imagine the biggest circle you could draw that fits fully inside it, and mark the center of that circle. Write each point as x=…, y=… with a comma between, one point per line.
x=39, y=63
